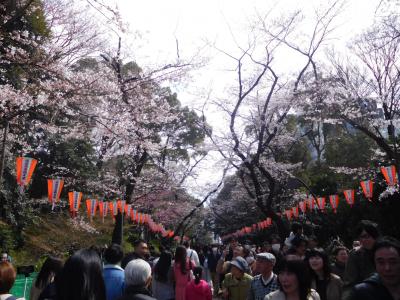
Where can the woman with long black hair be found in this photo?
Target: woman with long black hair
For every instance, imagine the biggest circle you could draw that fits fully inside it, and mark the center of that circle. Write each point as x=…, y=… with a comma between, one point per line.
x=163, y=285
x=49, y=270
x=81, y=278
x=328, y=285
x=294, y=280
x=183, y=267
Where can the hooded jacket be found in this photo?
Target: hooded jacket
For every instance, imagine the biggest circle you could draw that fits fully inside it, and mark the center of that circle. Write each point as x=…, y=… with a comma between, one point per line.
x=200, y=291
x=371, y=289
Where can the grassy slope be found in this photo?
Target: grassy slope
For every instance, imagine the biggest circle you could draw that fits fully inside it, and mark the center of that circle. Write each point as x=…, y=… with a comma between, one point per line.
x=54, y=233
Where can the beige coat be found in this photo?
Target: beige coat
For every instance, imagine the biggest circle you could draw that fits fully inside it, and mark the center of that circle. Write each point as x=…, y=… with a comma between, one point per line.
x=279, y=295
x=333, y=289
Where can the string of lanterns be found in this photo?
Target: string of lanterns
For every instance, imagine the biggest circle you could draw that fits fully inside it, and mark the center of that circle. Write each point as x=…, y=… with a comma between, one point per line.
x=319, y=203
x=25, y=167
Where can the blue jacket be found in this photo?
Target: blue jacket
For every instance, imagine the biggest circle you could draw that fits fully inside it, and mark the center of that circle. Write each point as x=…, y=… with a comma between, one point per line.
x=114, y=279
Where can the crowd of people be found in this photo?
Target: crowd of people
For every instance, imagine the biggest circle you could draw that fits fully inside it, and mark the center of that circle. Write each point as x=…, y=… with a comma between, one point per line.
x=297, y=268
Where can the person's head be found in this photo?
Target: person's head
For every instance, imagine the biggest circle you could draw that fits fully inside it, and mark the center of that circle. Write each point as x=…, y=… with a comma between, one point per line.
x=180, y=257
x=141, y=248
x=7, y=277
x=138, y=273
x=247, y=251
x=387, y=261
x=300, y=245
x=98, y=249
x=163, y=265
x=265, y=262
x=51, y=267
x=239, y=266
x=356, y=244
x=275, y=244
x=4, y=256
x=291, y=254
x=294, y=278
x=197, y=272
x=275, y=239
x=341, y=254
x=113, y=254
x=266, y=246
x=238, y=251
x=81, y=278
x=297, y=228
x=368, y=233
x=233, y=243
x=312, y=242
x=318, y=262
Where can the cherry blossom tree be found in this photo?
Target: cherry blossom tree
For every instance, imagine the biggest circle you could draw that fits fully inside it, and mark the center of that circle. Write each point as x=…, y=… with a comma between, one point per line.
x=362, y=89
x=259, y=107
x=146, y=143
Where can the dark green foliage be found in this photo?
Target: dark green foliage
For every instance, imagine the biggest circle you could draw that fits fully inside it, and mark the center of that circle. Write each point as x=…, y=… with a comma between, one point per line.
x=72, y=159
x=15, y=207
x=350, y=150
x=25, y=17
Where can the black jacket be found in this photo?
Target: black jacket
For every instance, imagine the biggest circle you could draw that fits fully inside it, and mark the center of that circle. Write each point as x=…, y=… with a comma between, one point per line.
x=127, y=258
x=136, y=293
x=212, y=260
x=371, y=289
x=49, y=292
x=338, y=269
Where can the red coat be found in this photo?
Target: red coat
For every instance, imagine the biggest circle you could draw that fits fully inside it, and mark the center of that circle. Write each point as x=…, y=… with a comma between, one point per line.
x=201, y=291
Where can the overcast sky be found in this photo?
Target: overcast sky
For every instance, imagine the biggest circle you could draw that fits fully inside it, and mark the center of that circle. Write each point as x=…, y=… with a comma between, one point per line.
x=160, y=23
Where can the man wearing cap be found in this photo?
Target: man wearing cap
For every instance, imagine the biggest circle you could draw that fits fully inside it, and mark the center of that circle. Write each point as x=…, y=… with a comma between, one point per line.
x=266, y=282
x=236, y=284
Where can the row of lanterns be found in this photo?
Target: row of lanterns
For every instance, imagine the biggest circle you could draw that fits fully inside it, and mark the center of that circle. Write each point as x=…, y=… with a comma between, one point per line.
x=25, y=167
x=389, y=173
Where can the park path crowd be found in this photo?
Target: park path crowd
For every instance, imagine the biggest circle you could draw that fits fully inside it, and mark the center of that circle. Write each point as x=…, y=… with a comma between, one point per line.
x=297, y=268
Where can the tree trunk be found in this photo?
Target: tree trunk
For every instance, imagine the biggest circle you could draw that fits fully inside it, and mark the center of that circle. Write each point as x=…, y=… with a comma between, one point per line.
x=117, y=234
x=280, y=225
x=3, y=150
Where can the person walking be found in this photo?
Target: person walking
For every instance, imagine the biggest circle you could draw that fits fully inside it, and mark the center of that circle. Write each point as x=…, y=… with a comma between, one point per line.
x=51, y=267
x=81, y=278
x=113, y=274
x=141, y=250
x=236, y=284
x=328, y=285
x=163, y=285
x=385, y=284
x=137, y=281
x=341, y=255
x=266, y=282
x=294, y=281
x=360, y=264
x=183, y=273
x=7, y=279
x=198, y=289
x=212, y=260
